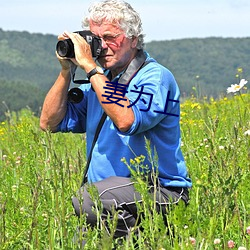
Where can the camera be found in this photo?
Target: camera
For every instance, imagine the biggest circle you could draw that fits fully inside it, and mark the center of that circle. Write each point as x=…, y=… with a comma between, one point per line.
x=65, y=48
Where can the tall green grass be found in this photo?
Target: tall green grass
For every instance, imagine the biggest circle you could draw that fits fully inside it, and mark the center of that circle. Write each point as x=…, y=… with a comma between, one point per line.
x=40, y=172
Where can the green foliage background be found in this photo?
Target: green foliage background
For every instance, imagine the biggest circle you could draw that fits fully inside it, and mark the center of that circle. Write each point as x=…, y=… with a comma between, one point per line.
x=28, y=66
x=210, y=62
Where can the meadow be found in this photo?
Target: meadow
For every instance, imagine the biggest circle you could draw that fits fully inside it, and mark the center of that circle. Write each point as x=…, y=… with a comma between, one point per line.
x=40, y=172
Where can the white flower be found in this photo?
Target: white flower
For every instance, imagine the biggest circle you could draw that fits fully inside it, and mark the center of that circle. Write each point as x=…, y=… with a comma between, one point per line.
x=192, y=240
x=237, y=87
x=217, y=241
x=221, y=147
x=246, y=133
x=242, y=248
x=22, y=210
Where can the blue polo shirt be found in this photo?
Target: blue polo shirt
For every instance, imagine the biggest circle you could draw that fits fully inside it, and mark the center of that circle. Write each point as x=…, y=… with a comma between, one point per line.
x=154, y=98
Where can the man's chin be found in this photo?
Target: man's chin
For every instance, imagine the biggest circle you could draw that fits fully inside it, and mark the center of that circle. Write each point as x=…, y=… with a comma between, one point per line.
x=105, y=63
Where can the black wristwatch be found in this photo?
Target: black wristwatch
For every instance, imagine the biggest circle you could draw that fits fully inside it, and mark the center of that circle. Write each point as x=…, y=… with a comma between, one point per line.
x=96, y=70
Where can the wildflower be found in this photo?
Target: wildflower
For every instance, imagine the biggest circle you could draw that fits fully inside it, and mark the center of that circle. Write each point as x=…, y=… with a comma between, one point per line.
x=221, y=147
x=195, y=106
x=132, y=162
x=247, y=133
x=230, y=244
x=137, y=159
x=45, y=216
x=242, y=248
x=237, y=87
x=216, y=241
x=240, y=70
x=198, y=182
x=248, y=230
x=192, y=240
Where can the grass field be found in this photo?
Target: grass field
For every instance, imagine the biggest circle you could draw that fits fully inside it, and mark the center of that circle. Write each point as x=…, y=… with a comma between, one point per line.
x=40, y=172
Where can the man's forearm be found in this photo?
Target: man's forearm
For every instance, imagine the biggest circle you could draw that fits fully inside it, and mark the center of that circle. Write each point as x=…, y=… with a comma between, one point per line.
x=55, y=103
x=122, y=116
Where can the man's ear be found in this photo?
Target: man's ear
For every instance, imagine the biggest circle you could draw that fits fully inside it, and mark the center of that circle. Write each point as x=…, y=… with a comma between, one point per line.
x=134, y=42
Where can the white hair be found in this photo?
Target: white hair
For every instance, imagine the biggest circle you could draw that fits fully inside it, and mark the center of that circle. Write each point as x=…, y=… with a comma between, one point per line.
x=120, y=13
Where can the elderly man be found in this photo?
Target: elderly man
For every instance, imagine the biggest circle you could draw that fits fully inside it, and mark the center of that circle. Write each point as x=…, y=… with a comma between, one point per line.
x=140, y=98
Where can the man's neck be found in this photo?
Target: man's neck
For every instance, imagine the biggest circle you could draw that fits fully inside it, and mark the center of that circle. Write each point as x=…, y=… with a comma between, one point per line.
x=117, y=71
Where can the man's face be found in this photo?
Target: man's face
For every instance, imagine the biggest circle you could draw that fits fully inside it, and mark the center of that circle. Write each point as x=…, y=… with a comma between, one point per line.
x=118, y=50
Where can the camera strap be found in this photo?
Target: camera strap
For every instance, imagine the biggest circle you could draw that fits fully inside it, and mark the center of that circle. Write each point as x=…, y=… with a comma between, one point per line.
x=136, y=64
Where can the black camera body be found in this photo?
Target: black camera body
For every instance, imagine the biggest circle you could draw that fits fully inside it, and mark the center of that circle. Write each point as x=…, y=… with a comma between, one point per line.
x=65, y=48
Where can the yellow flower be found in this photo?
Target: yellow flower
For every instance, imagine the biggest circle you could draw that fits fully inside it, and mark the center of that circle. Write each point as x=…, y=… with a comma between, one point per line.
x=183, y=113
x=138, y=160
x=195, y=105
x=240, y=70
x=132, y=162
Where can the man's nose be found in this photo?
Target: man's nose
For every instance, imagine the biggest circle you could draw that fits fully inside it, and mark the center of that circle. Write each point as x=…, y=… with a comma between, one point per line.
x=104, y=44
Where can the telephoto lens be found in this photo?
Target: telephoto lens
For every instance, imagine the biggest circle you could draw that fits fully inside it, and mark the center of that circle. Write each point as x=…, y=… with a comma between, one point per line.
x=65, y=48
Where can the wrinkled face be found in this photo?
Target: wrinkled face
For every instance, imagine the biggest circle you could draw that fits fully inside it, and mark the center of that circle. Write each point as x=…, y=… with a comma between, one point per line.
x=118, y=50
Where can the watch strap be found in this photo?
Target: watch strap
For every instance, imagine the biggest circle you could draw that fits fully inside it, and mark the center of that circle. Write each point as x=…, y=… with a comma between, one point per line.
x=93, y=72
